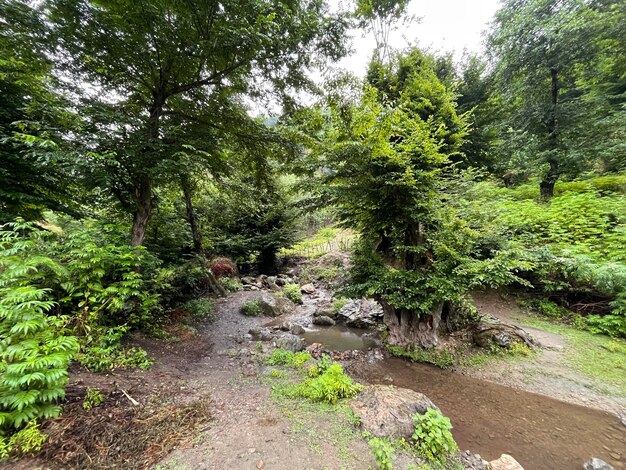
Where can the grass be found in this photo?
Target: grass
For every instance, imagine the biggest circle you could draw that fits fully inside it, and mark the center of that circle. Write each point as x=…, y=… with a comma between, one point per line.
x=282, y=357
x=442, y=359
x=598, y=357
x=317, y=423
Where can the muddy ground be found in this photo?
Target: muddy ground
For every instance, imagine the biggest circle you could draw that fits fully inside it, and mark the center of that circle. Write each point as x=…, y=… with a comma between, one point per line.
x=206, y=404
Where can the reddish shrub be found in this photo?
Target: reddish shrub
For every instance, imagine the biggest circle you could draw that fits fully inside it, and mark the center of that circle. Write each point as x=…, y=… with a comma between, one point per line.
x=223, y=267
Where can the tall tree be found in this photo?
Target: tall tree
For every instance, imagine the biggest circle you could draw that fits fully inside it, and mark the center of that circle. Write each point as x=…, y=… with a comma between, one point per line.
x=537, y=46
x=152, y=62
x=33, y=170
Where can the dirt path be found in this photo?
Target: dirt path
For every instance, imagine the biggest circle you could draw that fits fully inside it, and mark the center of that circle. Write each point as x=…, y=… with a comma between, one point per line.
x=548, y=373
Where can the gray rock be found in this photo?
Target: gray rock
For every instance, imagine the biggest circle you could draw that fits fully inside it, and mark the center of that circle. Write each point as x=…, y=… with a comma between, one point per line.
x=279, y=305
x=361, y=313
x=297, y=329
x=323, y=320
x=280, y=281
x=307, y=289
x=387, y=411
x=247, y=280
x=291, y=343
x=270, y=282
x=472, y=461
x=597, y=464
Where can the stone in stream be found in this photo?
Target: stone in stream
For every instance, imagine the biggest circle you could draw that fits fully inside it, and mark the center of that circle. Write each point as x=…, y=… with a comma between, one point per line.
x=323, y=320
x=387, y=411
x=361, y=313
x=297, y=329
x=505, y=462
x=307, y=289
x=597, y=464
x=291, y=343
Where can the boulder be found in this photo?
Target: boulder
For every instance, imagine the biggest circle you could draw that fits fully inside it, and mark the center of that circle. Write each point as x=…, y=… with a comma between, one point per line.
x=307, y=289
x=271, y=282
x=472, y=461
x=277, y=306
x=291, y=343
x=505, y=462
x=361, y=313
x=323, y=320
x=387, y=411
x=297, y=329
x=597, y=464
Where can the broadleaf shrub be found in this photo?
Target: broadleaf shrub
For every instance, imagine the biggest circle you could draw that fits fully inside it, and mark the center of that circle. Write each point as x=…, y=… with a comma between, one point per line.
x=432, y=437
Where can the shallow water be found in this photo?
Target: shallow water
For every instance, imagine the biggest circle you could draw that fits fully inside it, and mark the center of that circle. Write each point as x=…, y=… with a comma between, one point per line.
x=338, y=338
x=540, y=432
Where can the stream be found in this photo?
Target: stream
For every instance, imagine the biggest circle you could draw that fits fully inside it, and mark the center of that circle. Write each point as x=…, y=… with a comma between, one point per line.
x=540, y=432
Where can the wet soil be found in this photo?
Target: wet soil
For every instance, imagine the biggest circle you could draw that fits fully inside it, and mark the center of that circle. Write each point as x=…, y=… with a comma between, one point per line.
x=490, y=419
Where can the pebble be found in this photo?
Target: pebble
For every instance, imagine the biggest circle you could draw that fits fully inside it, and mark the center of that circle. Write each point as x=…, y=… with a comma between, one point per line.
x=260, y=465
x=251, y=450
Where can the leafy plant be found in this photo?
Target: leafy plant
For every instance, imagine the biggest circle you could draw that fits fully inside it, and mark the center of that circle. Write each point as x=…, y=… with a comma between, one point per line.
x=383, y=452
x=339, y=303
x=102, y=351
x=283, y=357
x=26, y=440
x=329, y=386
x=443, y=358
x=252, y=308
x=292, y=292
x=93, y=398
x=199, y=308
x=432, y=437
x=35, y=349
x=231, y=284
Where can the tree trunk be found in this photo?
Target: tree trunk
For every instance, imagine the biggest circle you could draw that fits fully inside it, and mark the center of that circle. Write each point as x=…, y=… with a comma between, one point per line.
x=407, y=329
x=143, y=210
x=142, y=196
x=191, y=216
x=546, y=187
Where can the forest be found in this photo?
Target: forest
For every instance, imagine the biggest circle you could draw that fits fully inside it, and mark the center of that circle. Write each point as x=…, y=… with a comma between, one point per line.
x=158, y=158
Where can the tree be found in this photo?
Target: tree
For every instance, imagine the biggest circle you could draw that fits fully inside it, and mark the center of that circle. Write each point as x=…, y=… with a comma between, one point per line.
x=163, y=64
x=380, y=17
x=380, y=161
x=34, y=172
x=537, y=46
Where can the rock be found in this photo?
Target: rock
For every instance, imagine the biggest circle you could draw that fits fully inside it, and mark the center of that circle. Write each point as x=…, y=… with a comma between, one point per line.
x=597, y=464
x=325, y=312
x=291, y=343
x=473, y=461
x=361, y=313
x=285, y=326
x=255, y=331
x=323, y=320
x=387, y=411
x=307, y=289
x=297, y=329
x=270, y=282
x=487, y=333
x=280, y=281
x=248, y=280
x=505, y=462
x=277, y=305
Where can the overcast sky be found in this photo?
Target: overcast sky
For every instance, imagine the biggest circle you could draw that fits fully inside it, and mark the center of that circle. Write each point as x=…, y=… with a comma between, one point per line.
x=445, y=26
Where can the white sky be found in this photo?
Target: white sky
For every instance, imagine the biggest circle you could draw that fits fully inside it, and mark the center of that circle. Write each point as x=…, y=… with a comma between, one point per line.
x=445, y=26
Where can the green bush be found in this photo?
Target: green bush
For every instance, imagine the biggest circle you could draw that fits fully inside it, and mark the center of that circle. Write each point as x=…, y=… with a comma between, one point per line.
x=383, y=453
x=35, y=349
x=282, y=357
x=330, y=386
x=252, y=308
x=231, y=284
x=338, y=304
x=292, y=292
x=23, y=442
x=432, y=437
x=93, y=398
x=102, y=351
x=199, y=308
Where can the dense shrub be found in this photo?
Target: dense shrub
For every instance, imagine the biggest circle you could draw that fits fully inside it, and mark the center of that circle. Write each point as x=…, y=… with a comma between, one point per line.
x=223, y=267
x=282, y=357
x=199, y=308
x=331, y=385
x=292, y=292
x=35, y=348
x=432, y=436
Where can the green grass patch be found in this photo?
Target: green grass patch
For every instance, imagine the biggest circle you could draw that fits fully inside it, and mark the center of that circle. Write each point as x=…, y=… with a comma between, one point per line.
x=442, y=359
x=282, y=357
x=253, y=308
x=597, y=356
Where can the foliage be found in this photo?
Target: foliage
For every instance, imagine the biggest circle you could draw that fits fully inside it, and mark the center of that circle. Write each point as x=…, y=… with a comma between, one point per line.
x=292, y=292
x=223, y=267
x=231, y=284
x=27, y=440
x=102, y=351
x=339, y=303
x=253, y=308
x=432, y=436
x=383, y=452
x=35, y=348
x=442, y=359
x=201, y=308
x=93, y=398
x=282, y=357
x=330, y=385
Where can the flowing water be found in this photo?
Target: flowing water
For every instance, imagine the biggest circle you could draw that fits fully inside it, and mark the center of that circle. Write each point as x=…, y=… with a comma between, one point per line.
x=339, y=338
x=540, y=432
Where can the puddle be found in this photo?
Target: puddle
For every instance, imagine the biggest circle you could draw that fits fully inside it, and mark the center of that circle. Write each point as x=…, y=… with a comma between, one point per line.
x=339, y=338
x=540, y=432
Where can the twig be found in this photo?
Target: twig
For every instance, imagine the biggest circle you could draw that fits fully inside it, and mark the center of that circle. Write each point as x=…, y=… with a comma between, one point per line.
x=131, y=399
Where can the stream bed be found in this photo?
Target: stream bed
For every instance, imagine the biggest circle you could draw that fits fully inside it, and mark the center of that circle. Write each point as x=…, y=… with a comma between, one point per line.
x=490, y=419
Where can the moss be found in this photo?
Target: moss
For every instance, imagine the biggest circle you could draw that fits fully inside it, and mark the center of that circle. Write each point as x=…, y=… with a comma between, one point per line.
x=443, y=359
